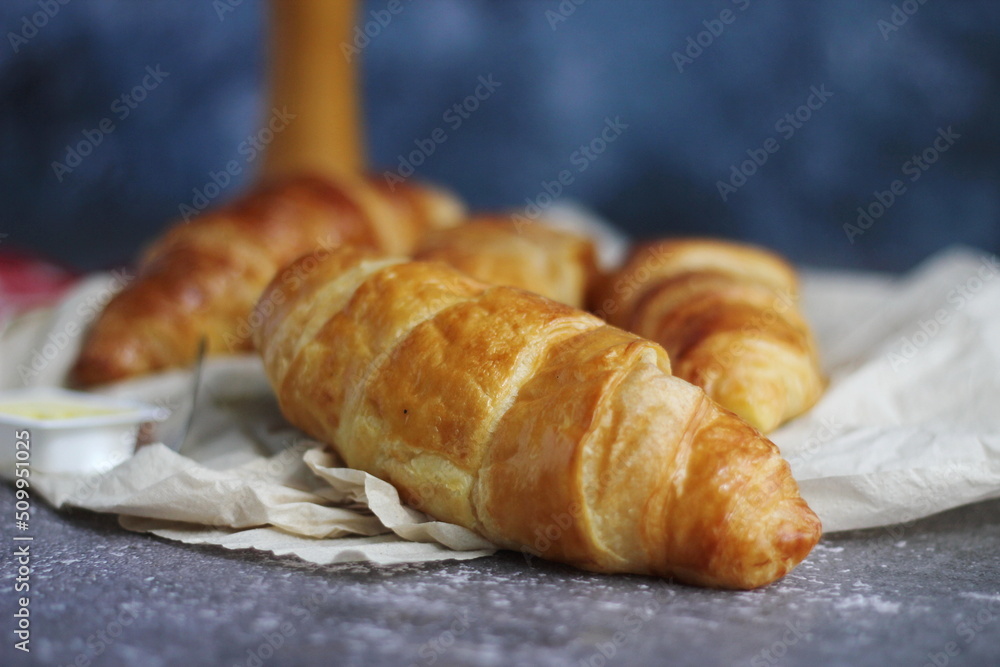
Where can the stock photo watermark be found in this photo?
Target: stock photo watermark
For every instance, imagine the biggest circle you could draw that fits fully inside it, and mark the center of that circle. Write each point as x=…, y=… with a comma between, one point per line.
x=432, y=650
x=562, y=12
x=579, y=162
x=291, y=279
x=104, y=638
x=453, y=117
x=250, y=148
x=605, y=652
x=828, y=430
x=549, y=534
x=958, y=297
x=49, y=349
x=224, y=7
x=714, y=27
x=966, y=631
x=891, y=536
x=121, y=108
x=627, y=284
x=898, y=17
x=22, y=552
x=550, y=530
x=32, y=23
x=795, y=632
x=786, y=126
x=366, y=31
x=754, y=329
x=273, y=641
x=913, y=169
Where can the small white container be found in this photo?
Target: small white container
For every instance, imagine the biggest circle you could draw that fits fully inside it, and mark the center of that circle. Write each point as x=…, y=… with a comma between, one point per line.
x=61, y=431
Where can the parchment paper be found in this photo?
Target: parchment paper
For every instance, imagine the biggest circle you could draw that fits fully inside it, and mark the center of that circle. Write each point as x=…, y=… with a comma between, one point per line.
x=247, y=479
x=909, y=426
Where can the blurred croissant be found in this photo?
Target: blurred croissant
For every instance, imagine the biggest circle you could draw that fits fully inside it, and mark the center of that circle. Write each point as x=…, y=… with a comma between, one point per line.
x=495, y=249
x=727, y=315
x=529, y=422
x=203, y=278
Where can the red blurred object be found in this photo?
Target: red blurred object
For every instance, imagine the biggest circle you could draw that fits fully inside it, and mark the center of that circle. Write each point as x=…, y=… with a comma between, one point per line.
x=28, y=280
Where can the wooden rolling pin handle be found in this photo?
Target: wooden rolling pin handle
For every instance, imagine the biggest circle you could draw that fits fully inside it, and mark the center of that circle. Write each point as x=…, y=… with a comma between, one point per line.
x=314, y=85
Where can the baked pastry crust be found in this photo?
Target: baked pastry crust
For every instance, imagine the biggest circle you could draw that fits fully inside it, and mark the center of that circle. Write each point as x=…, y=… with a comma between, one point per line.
x=532, y=423
x=203, y=278
x=727, y=315
x=496, y=249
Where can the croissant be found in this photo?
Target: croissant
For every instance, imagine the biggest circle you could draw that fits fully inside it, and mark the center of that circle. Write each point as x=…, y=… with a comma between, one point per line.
x=726, y=314
x=203, y=278
x=495, y=249
x=534, y=424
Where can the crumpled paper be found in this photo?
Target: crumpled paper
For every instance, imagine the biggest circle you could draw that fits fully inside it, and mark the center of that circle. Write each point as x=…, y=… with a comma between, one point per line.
x=908, y=427
x=247, y=479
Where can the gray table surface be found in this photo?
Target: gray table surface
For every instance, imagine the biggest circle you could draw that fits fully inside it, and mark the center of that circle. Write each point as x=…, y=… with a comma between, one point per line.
x=927, y=593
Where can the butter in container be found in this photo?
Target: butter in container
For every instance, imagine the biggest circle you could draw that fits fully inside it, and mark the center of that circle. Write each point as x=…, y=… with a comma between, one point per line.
x=60, y=431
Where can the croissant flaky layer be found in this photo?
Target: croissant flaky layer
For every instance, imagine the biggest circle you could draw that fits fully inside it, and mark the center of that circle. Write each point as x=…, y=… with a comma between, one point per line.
x=534, y=424
x=727, y=314
x=497, y=249
x=203, y=278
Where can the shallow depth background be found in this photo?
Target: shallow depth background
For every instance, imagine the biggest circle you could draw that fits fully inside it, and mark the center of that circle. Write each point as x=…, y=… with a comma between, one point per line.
x=893, y=88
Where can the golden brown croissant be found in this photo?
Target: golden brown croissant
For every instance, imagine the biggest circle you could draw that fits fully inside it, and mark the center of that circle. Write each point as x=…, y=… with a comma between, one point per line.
x=203, y=278
x=726, y=314
x=529, y=422
x=495, y=249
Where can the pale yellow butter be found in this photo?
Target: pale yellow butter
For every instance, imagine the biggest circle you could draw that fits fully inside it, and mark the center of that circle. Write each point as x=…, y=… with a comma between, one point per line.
x=55, y=410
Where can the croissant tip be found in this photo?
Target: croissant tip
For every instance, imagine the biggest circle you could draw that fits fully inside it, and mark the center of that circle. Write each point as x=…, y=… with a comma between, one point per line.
x=109, y=357
x=781, y=539
x=796, y=540
x=797, y=533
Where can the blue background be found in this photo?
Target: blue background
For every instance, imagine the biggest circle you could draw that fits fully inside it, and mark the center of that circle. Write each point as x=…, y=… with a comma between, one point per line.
x=560, y=80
